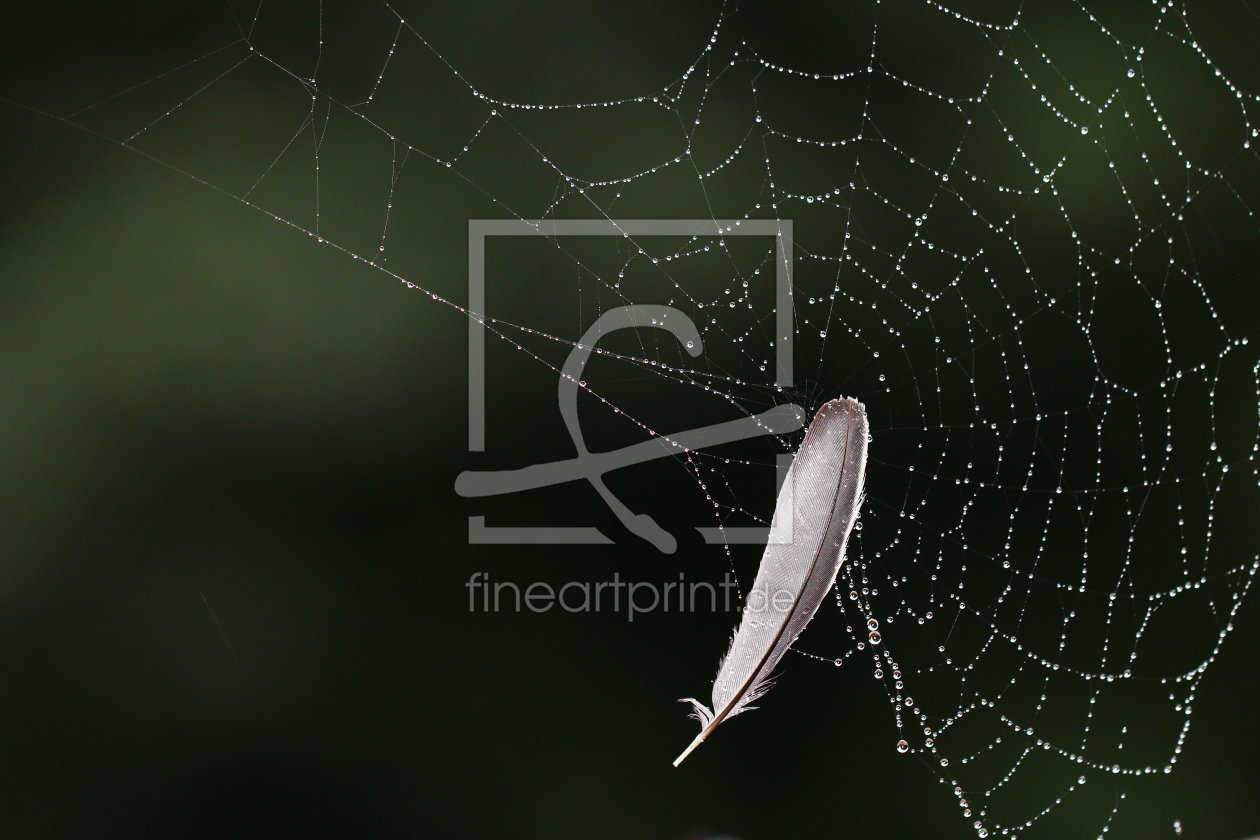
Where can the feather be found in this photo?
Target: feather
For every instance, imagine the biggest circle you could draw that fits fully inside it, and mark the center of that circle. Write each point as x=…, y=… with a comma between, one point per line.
x=813, y=516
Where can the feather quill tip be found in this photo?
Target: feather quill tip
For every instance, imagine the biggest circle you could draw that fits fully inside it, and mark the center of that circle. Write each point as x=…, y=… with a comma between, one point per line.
x=698, y=740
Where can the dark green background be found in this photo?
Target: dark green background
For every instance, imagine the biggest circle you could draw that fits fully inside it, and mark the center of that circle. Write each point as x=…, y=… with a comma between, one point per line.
x=232, y=562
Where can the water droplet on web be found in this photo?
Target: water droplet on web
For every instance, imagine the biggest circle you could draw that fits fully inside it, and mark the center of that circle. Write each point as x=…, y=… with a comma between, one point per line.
x=903, y=747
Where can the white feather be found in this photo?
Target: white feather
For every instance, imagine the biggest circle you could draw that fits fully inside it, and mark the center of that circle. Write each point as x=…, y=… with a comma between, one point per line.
x=813, y=516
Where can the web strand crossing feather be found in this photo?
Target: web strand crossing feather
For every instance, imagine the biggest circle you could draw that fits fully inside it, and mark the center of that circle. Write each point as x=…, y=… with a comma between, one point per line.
x=813, y=516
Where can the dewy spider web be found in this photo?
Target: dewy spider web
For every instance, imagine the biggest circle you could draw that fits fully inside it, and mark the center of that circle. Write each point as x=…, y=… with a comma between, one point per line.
x=1015, y=234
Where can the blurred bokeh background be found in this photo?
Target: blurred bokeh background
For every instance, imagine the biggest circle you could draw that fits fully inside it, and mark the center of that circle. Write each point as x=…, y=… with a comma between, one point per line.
x=232, y=565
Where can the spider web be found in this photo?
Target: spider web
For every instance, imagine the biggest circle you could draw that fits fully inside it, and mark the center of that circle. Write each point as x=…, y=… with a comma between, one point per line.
x=1014, y=237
